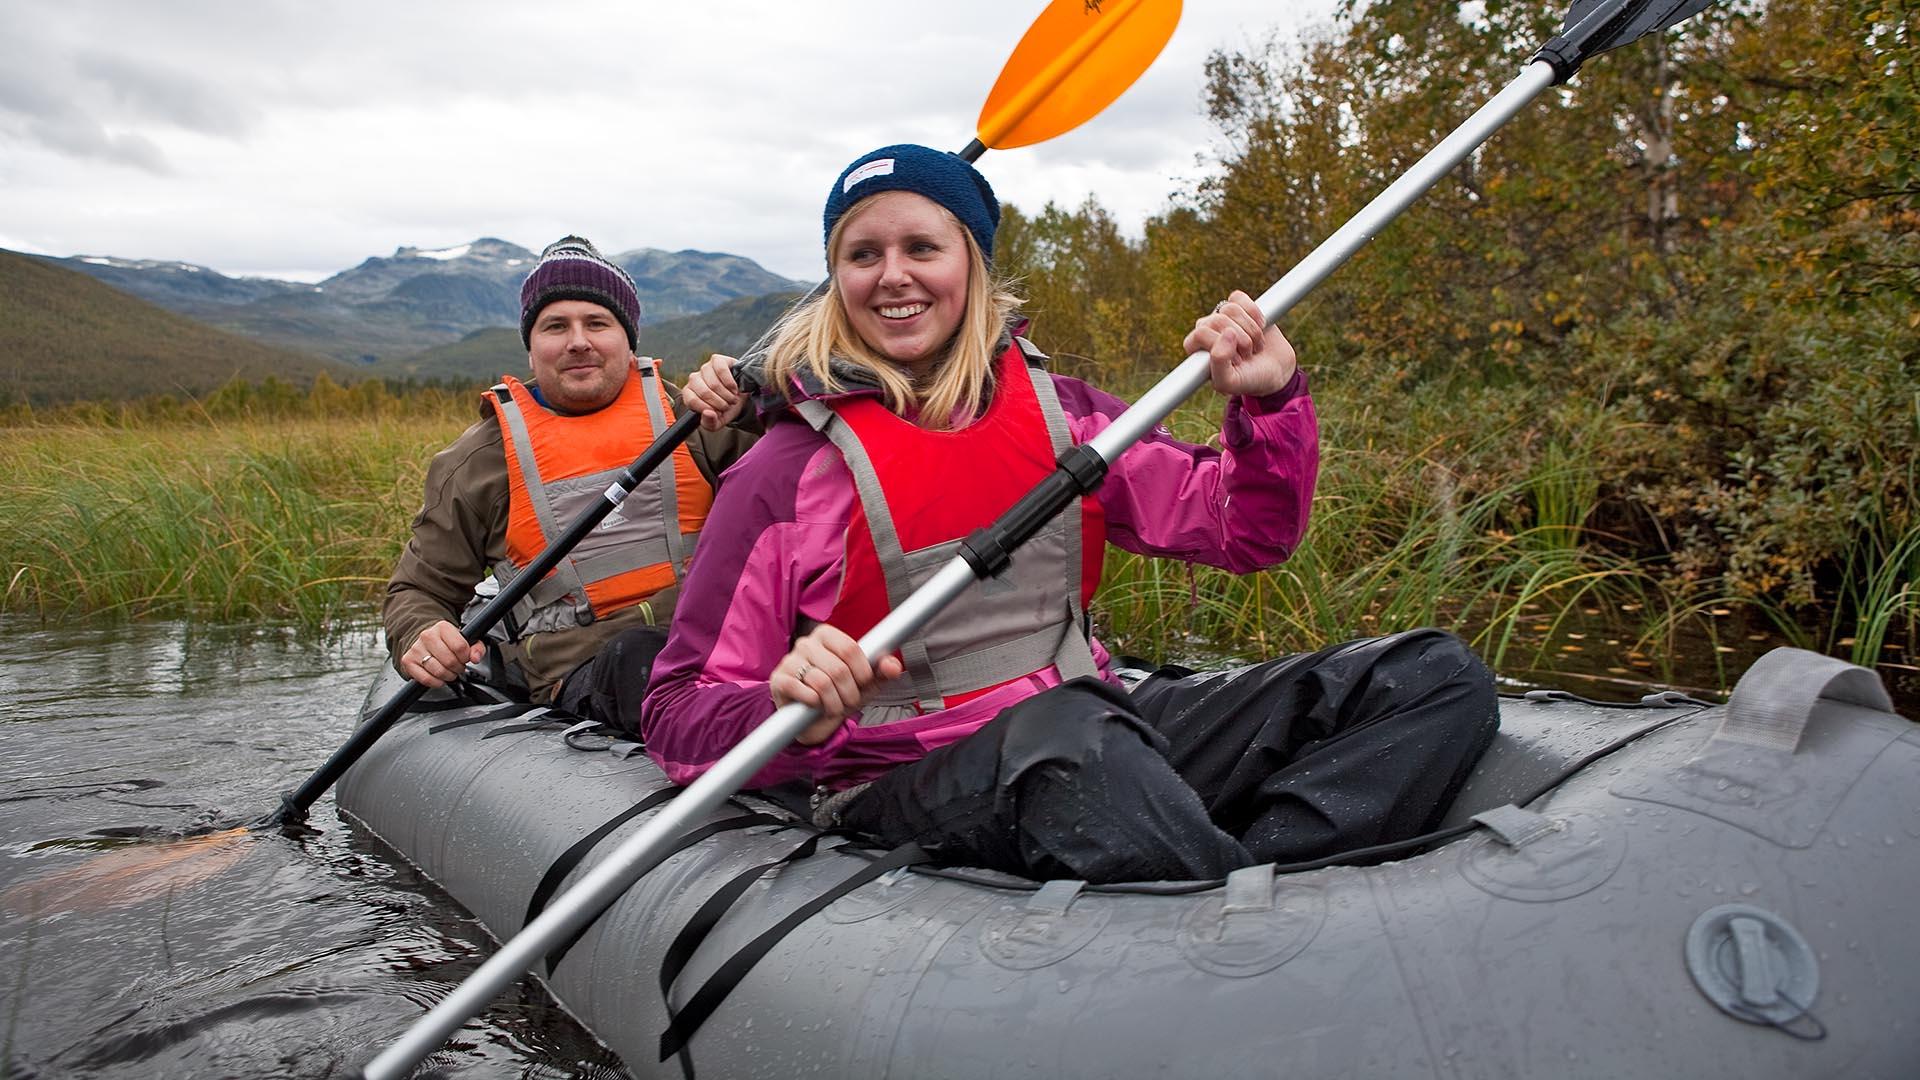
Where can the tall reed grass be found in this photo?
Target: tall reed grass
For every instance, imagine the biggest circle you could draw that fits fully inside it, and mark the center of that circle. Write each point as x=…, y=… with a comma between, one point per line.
x=291, y=519
x=1396, y=541
x=1450, y=509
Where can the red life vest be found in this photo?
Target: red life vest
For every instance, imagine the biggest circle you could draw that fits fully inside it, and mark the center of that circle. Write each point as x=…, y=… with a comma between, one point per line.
x=558, y=464
x=921, y=493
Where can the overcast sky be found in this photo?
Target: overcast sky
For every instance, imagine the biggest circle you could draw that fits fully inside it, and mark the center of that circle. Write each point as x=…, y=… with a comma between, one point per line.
x=292, y=138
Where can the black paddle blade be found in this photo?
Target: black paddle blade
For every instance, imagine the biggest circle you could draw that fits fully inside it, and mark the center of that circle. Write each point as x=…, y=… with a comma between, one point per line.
x=1595, y=26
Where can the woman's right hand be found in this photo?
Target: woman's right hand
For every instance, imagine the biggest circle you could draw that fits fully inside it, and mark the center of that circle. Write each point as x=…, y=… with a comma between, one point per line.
x=827, y=671
x=712, y=392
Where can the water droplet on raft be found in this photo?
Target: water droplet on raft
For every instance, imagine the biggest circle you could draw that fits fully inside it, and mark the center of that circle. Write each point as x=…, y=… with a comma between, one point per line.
x=1748, y=888
x=1064, y=985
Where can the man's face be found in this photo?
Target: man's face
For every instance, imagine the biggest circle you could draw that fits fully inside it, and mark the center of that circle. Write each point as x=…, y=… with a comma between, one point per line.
x=579, y=355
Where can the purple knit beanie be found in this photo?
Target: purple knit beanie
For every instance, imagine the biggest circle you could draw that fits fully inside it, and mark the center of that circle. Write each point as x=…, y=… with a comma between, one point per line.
x=571, y=268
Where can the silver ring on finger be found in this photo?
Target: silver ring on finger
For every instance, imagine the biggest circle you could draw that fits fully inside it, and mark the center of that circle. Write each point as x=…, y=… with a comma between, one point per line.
x=803, y=672
x=1220, y=307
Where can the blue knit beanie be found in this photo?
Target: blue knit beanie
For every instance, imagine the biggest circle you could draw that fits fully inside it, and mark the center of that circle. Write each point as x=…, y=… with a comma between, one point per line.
x=938, y=175
x=571, y=268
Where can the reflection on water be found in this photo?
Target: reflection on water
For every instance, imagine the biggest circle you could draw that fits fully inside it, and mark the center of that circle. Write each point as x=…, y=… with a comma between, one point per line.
x=239, y=956
x=1610, y=654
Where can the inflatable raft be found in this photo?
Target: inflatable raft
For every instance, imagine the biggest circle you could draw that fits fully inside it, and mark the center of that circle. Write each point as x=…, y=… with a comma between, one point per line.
x=1664, y=889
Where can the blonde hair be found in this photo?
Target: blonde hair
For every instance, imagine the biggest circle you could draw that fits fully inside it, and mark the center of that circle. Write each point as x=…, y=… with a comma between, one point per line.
x=817, y=332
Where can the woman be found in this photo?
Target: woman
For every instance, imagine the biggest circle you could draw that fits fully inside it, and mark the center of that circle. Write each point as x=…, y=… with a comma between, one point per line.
x=905, y=411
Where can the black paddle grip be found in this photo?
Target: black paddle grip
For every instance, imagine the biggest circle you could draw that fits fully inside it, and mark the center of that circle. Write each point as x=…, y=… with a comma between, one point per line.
x=990, y=550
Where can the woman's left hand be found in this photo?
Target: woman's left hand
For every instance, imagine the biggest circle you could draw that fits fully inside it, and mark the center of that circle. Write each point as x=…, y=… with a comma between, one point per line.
x=1245, y=356
x=711, y=392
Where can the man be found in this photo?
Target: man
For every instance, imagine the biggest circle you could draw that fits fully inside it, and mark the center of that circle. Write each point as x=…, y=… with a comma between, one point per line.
x=584, y=639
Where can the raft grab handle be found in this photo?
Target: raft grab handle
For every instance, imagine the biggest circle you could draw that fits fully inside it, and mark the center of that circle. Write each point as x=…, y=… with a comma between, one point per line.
x=1773, y=701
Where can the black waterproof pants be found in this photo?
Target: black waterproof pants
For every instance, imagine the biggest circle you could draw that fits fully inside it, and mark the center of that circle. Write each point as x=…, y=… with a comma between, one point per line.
x=607, y=688
x=1196, y=774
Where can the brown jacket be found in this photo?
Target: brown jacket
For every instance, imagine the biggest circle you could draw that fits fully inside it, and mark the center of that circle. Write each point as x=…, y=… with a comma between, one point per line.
x=461, y=533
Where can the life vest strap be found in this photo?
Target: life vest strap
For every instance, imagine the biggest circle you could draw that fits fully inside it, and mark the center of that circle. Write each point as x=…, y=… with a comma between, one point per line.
x=565, y=579
x=886, y=543
x=677, y=543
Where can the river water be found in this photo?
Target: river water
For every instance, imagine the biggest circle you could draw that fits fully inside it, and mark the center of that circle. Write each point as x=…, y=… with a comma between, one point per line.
x=256, y=956
x=260, y=956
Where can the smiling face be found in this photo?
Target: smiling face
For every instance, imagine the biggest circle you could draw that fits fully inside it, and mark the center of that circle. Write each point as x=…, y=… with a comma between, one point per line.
x=901, y=267
x=579, y=355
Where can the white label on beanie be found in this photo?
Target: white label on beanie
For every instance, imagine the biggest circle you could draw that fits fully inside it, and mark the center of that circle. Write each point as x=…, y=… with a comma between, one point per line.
x=882, y=167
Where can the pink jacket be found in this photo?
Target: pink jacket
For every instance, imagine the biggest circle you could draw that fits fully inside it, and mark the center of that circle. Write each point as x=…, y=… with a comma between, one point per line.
x=770, y=557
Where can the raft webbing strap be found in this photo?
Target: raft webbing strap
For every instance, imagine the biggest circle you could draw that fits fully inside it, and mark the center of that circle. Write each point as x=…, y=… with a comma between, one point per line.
x=468, y=694
x=712, y=828
x=570, y=858
x=547, y=720
x=691, y=936
x=1514, y=826
x=729, y=974
x=504, y=712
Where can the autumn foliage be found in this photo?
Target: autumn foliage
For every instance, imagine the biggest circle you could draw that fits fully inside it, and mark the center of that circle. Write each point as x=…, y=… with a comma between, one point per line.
x=1694, y=271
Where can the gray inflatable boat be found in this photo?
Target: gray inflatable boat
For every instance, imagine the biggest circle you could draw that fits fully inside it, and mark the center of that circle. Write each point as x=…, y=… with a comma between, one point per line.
x=1659, y=890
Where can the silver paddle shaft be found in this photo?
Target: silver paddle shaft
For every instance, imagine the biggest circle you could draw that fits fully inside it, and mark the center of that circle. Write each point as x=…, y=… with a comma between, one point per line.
x=1156, y=404
x=639, y=853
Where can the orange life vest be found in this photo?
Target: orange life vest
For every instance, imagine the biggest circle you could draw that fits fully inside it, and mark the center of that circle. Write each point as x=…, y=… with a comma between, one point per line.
x=558, y=464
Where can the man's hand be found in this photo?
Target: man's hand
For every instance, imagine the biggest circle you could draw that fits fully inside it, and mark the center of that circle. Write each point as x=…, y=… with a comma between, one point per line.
x=439, y=655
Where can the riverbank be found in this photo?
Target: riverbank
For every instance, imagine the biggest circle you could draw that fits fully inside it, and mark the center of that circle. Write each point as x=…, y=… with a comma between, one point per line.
x=294, y=510
x=278, y=516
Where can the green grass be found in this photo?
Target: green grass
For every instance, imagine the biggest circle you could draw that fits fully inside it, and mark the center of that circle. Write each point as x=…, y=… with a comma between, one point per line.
x=1438, y=509
x=1397, y=540
x=295, y=519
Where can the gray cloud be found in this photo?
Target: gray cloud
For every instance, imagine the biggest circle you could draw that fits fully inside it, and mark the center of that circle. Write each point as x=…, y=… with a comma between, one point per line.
x=143, y=90
x=278, y=134
x=33, y=113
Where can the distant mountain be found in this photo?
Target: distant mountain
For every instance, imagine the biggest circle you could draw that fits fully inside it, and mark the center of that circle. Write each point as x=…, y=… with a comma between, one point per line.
x=387, y=309
x=732, y=328
x=66, y=337
x=681, y=344
x=177, y=286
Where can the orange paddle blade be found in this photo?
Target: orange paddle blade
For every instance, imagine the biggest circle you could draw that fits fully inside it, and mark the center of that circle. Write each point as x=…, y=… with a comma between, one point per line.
x=130, y=875
x=1076, y=58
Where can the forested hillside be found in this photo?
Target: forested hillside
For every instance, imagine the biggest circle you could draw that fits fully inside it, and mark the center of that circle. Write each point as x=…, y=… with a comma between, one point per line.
x=66, y=337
